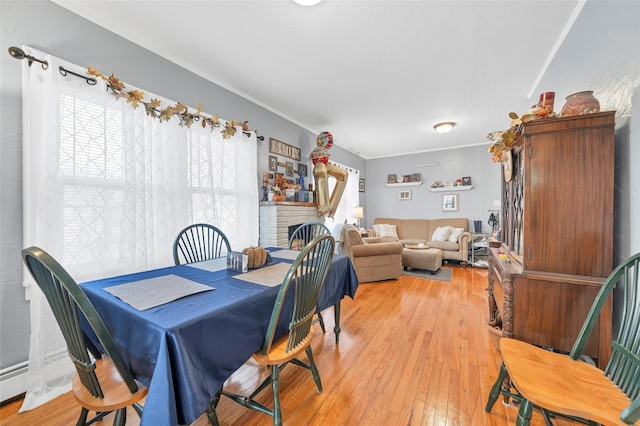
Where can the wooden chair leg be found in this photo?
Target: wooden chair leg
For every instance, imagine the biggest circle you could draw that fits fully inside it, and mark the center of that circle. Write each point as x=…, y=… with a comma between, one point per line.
x=321, y=321
x=314, y=369
x=121, y=417
x=496, y=389
x=82, y=420
x=211, y=409
x=275, y=386
x=524, y=414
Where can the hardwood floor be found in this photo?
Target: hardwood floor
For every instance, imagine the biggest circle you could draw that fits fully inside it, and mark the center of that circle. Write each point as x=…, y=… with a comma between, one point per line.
x=411, y=352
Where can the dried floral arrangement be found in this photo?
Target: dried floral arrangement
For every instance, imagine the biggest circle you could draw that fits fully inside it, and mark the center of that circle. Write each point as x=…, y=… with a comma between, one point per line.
x=179, y=110
x=502, y=141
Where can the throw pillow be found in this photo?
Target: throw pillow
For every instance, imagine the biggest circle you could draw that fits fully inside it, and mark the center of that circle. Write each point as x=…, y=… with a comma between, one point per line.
x=384, y=230
x=441, y=233
x=454, y=236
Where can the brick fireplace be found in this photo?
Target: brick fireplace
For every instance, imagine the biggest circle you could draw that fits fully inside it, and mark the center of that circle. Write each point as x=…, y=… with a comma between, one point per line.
x=277, y=216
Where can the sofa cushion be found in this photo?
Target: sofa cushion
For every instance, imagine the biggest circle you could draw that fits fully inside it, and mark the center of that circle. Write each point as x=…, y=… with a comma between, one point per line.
x=441, y=233
x=443, y=245
x=454, y=235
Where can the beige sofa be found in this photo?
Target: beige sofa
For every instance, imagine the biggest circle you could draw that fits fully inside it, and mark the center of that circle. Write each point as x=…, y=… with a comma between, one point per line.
x=372, y=262
x=417, y=231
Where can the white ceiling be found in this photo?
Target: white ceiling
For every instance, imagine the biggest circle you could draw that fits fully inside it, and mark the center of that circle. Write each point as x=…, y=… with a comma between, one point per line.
x=376, y=74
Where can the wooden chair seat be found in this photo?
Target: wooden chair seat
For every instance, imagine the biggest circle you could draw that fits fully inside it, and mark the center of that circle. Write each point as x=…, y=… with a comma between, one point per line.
x=540, y=376
x=116, y=393
x=278, y=353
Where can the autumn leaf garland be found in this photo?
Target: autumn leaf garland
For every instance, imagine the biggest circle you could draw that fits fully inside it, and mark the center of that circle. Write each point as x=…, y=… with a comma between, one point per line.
x=179, y=110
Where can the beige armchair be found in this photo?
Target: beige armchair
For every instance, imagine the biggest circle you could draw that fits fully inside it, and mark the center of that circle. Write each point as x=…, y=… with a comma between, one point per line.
x=373, y=260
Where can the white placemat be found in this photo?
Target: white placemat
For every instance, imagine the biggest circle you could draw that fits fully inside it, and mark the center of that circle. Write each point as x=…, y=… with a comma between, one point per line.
x=212, y=265
x=285, y=254
x=152, y=292
x=269, y=275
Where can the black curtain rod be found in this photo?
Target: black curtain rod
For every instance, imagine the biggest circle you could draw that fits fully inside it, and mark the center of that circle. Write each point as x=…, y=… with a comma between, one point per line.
x=90, y=81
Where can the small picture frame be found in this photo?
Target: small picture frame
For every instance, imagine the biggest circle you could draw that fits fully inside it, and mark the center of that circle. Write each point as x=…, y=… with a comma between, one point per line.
x=361, y=185
x=466, y=180
x=405, y=195
x=450, y=203
x=406, y=178
x=289, y=168
x=448, y=184
x=392, y=178
x=273, y=163
x=302, y=169
x=415, y=177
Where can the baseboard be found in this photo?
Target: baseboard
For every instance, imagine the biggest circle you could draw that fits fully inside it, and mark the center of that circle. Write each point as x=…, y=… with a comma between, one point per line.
x=13, y=381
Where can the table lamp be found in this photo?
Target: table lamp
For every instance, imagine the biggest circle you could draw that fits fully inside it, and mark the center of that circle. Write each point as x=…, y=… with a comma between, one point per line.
x=358, y=212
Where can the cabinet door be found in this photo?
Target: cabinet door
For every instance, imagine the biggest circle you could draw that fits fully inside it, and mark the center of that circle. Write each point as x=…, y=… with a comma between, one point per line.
x=513, y=203
x=568, y=202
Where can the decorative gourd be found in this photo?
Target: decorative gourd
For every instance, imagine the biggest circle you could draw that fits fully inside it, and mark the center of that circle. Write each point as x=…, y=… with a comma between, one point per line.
x=257, y=256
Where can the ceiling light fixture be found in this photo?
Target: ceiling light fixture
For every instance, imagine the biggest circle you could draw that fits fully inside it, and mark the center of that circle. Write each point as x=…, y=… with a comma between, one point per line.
x=445, y=127
x=307, y=2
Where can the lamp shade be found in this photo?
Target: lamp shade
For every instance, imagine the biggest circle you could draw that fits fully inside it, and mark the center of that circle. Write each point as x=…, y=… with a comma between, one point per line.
x=358, y=212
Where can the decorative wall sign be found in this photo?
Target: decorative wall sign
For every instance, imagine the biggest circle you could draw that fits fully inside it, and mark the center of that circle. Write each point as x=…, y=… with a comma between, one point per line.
x=281, y=148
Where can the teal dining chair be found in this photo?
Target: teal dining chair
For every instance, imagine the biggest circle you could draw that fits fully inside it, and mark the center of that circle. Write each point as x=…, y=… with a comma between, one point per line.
x=306, y=232
x=301, y=236
x=102, y=382
x=566, y=385
x=305, y=278
x=199, y=242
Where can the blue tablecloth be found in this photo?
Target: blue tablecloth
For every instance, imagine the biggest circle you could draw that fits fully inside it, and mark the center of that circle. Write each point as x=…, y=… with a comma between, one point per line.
x=185, y=350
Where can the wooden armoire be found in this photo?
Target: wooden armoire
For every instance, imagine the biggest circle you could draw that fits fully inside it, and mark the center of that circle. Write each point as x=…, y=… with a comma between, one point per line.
x=557, y=233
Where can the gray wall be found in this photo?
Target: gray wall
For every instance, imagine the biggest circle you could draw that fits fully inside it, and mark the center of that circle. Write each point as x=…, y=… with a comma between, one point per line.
x=474, y=204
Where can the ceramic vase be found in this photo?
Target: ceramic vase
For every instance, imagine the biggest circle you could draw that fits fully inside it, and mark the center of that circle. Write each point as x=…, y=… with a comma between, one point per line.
x=581, y=103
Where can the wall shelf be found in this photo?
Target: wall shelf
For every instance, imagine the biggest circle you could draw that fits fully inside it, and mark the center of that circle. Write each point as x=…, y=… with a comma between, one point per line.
x=451, y=188
x=405, y=184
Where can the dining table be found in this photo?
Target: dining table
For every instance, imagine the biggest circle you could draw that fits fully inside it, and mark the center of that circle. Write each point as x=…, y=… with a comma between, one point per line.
x=183, y=330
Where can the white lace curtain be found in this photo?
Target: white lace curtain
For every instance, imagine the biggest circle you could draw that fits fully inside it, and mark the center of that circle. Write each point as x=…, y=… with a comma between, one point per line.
x=107, y=189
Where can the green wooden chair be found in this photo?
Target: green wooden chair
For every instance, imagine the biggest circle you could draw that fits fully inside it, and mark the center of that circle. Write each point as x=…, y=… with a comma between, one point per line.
x=302, y=235
x=305, y=278
x=566, y=385
x=306, y=232
x=102, y=383
x=199, y=242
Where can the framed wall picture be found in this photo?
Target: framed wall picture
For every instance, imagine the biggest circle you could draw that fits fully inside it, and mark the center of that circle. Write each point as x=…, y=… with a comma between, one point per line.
x=450, y=203
x=273, y=163
x=289, y=168
x=406, y=178
x=405, y=195
x=392, y=178
x=361, y=185
x=466, y=180
x=302, y=169
x=415, y=177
